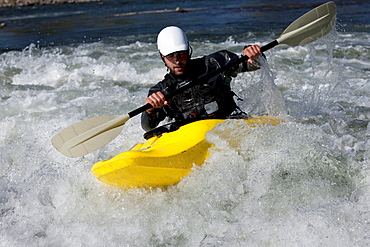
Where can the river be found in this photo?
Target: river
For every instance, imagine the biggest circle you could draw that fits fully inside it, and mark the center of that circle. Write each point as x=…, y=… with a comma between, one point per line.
x=305, y=182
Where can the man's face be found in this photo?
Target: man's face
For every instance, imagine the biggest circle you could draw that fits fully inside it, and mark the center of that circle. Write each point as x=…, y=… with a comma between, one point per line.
x=176, y=62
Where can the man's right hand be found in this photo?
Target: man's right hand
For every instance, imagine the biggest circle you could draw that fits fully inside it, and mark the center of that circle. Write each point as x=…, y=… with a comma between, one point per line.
x=157, y=100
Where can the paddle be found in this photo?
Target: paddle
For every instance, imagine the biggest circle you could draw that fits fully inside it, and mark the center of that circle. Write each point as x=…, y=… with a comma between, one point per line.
x=91, y=134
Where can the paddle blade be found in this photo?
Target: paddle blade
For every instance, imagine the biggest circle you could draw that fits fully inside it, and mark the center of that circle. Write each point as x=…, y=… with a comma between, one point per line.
x=88, y=135
x=310, y=26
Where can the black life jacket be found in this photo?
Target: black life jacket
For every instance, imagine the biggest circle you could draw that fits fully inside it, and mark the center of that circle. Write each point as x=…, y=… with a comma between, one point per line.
x=207, y=99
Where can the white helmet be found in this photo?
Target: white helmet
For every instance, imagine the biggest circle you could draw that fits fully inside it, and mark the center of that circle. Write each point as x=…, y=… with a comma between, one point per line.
x=172, y=39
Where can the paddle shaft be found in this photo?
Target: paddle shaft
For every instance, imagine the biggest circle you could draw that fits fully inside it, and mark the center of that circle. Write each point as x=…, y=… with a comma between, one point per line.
x=203, y=78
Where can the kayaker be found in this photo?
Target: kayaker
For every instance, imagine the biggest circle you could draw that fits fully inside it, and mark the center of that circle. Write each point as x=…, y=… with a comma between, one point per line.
x=212, y=99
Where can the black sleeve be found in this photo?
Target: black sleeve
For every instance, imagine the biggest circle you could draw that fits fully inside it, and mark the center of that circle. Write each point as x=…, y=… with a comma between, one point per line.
x=223, y=57
x=150, y=121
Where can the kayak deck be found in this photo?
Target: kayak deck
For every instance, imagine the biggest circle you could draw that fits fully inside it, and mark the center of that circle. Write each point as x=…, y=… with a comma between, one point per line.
x=163, y=160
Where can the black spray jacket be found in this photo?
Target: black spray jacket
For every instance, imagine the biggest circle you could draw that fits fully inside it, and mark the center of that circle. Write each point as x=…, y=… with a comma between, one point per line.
x=210, y=99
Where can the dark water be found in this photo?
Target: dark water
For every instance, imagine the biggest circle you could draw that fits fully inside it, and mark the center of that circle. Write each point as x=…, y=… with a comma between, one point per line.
x=65, y=24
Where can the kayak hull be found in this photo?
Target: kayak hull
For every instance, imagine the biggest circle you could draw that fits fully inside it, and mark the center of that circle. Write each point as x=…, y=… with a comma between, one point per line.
x=163, y=160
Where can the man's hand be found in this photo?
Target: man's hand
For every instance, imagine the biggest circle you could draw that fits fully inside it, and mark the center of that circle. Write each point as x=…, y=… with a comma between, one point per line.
x=157, y=100
x=253, y=52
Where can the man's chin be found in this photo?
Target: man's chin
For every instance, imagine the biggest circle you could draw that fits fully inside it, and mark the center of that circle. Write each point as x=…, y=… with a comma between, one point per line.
x=178, y=72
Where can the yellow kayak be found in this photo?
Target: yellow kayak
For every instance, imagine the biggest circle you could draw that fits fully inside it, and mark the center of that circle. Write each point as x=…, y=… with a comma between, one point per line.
x=163, y=160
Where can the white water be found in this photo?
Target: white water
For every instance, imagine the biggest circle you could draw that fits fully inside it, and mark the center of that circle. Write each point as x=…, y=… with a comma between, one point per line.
x=305, y=182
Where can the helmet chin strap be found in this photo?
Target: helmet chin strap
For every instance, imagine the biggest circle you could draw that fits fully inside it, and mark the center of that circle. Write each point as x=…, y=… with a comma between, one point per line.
x=190, y=51
x=162, y=57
